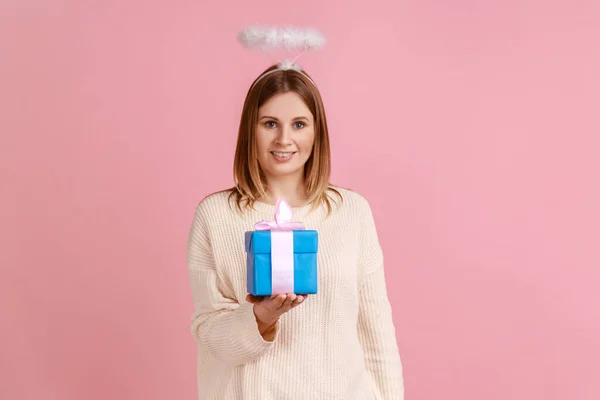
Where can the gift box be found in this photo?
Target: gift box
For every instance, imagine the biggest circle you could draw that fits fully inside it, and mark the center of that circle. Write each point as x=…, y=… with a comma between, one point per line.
x=281, y=256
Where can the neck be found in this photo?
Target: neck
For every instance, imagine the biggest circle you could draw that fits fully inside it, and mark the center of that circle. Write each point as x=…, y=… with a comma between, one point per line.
x=291, y=190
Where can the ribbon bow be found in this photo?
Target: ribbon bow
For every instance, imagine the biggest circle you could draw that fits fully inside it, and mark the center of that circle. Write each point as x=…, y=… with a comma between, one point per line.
x=283, y=220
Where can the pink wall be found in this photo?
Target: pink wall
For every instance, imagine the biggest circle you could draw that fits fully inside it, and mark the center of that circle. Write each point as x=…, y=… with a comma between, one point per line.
x=471, y=127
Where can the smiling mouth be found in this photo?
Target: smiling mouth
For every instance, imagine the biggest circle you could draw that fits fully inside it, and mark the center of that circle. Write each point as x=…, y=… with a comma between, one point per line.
x=283, y=155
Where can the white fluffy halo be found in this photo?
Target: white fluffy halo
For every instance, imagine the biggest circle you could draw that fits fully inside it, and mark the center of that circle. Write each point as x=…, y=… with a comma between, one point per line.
x=270, y=38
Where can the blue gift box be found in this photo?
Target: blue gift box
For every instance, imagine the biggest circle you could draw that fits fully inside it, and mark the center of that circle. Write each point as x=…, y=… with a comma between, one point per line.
x=258, y=248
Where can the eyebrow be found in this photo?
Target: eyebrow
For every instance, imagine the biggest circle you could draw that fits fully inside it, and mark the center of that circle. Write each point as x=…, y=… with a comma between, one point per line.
x=273, y=118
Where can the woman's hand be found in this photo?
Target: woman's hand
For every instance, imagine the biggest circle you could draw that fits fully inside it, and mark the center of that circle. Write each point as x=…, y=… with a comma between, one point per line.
x=268, y=309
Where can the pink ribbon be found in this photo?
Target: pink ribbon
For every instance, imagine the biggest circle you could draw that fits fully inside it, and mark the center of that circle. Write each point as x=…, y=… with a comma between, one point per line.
x=282, y=247
x=283, y=220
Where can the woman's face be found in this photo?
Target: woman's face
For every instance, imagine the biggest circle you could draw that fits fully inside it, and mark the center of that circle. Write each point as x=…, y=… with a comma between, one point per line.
x=285, y=135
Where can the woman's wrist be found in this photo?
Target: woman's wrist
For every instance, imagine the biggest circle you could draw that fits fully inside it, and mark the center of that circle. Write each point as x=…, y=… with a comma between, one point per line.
x=265, y=328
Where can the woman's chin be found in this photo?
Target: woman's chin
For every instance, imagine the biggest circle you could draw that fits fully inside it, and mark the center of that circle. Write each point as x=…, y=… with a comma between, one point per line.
x=284, y=170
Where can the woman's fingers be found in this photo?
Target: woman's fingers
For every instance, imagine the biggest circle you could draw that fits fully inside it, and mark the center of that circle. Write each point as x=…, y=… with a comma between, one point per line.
x=281, y=302
x=299, y=300
x=288, y=302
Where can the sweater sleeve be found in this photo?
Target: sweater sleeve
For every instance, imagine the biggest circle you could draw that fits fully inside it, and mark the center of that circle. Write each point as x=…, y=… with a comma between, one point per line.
x=375, y=325
x=228, y=330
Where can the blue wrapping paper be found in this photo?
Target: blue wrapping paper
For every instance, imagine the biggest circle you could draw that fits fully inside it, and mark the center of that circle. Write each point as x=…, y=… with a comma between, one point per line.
x=259, y=262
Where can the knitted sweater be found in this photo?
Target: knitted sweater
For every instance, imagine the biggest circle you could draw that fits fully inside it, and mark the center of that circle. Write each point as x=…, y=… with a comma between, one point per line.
x=338, y=344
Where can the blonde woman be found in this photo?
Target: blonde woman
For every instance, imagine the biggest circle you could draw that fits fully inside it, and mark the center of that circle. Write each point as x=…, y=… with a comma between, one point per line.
x=337, y=344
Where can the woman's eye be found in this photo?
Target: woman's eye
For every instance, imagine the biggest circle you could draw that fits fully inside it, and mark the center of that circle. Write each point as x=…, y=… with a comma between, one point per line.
x=273, y=124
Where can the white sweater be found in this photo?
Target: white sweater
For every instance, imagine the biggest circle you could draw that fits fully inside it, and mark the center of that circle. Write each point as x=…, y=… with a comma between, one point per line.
x=338, y=344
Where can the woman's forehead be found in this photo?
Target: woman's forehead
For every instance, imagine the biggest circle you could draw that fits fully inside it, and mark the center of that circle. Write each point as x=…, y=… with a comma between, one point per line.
x=285, y=106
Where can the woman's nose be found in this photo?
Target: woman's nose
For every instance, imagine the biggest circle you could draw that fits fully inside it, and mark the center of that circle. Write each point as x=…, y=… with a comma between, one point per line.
x=283, y=138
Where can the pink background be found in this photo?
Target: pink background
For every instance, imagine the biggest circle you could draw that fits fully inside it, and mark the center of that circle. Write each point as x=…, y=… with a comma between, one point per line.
x=472, y=127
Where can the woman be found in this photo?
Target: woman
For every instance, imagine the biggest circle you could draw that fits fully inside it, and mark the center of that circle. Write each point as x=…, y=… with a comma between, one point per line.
x=337, y=344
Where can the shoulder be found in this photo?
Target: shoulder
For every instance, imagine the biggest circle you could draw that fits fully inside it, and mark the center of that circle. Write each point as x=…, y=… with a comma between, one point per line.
x=215, y=204
x=353, y=201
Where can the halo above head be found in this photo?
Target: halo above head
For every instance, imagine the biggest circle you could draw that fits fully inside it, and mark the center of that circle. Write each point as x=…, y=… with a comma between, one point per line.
x=271, y=38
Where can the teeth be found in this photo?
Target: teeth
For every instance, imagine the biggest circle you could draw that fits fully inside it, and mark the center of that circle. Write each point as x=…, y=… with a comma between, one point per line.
x=278, y=154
